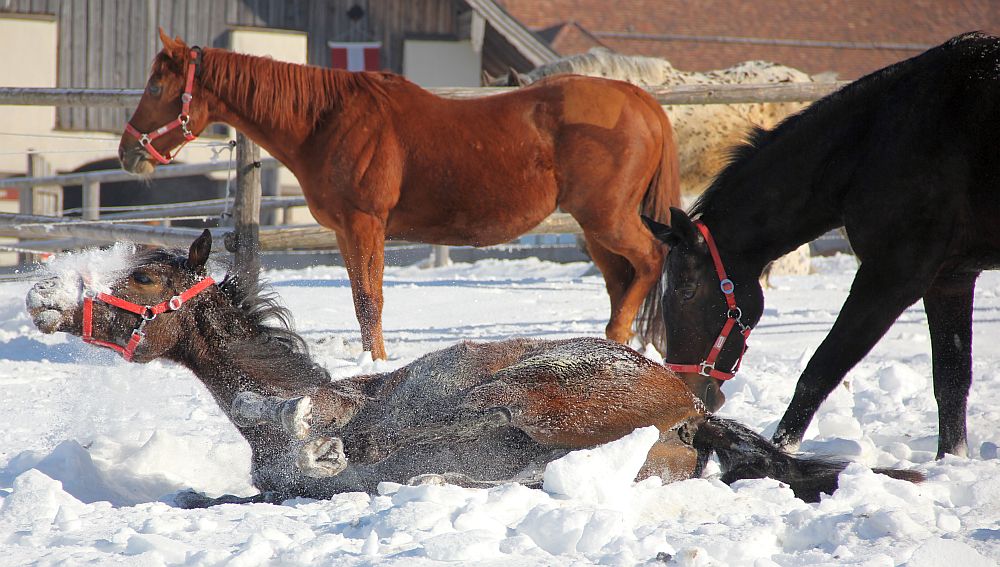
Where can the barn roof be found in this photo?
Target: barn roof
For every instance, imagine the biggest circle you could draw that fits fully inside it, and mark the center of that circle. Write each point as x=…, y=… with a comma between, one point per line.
x=849, y=37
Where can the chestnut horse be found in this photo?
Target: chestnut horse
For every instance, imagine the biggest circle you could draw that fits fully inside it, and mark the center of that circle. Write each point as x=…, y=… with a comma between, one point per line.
x=906, y=160
x=476, y=414
x=378, y=157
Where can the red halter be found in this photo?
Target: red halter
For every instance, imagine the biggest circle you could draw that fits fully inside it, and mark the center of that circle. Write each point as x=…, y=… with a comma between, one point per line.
x=147, y=312
x=707, y=367
x=146, y=140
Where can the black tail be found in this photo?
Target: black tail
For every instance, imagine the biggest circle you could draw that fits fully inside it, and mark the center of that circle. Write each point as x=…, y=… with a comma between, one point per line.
x=745, y=454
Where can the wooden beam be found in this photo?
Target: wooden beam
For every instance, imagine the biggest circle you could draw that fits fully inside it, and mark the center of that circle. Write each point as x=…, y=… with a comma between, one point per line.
x=675, y=94
x=314, y=237
x=162, y=172
x=34, y=226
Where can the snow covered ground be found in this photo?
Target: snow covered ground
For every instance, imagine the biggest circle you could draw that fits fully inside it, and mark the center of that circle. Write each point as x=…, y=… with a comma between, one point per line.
x=91, y=447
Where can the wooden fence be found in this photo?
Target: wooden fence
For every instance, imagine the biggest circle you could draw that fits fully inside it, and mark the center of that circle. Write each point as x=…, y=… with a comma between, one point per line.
x=248, y=202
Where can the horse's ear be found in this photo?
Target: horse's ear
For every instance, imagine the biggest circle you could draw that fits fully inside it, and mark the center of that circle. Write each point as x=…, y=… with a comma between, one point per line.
x=200, y=249
x=521, y=79
x=680, y=230
x=167, y=41
x=683, y=227
x=486, y=79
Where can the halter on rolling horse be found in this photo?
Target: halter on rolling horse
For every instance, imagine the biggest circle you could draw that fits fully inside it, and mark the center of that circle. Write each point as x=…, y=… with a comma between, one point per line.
x=146, y=312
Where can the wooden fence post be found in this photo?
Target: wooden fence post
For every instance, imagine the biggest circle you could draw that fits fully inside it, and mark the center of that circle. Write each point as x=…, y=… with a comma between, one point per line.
x=268, y=188
x=91, y=200
x=246, y=210
x=37, y=167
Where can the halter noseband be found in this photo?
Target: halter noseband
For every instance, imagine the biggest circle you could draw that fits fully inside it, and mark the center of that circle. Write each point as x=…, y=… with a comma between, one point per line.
x=733, y=319
x=146, y=139
x=147, y=312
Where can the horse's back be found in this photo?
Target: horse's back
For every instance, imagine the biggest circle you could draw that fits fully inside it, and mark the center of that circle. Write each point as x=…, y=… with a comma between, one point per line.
x=484, y=171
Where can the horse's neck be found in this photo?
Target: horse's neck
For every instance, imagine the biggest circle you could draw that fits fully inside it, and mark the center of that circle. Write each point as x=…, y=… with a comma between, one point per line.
x=221, y=365
x=771, y=204
x=261, y=113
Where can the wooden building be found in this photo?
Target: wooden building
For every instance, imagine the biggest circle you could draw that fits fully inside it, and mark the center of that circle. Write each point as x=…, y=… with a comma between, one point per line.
x=110, y=43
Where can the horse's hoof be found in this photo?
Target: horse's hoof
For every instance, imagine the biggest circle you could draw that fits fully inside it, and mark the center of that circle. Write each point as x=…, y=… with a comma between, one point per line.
x=189, y=499
x=295, y=415
x=428, y=479
x=322, y=457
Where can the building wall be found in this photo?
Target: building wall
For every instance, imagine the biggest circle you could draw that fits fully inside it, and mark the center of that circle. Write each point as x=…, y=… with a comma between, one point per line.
x=110, y=43
x=441, y=63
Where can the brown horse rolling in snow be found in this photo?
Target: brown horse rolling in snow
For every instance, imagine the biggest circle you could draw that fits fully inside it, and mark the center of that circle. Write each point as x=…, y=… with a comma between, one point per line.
x=476, y=414
x=378, y=157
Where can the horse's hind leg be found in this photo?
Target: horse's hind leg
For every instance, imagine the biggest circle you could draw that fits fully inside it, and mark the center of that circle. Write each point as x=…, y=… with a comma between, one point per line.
x=948, y=304
x=630, y=260
x=618, y=275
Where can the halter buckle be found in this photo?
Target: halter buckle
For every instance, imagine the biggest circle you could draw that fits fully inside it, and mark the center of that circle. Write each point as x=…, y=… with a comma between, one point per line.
x=89, y=293
x=147, y=313
x=144, y=140
x=706, y=369
x=727, y=286
x=175, y=302
x=735, y=313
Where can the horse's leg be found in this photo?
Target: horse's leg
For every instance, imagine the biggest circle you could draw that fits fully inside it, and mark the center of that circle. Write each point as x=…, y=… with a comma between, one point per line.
x=362, y=244
x=949, y=315
x=292, y=414
x=189, y=499
x=878, y=297
x=624, y=235
x=618, y=275
x=321, y=457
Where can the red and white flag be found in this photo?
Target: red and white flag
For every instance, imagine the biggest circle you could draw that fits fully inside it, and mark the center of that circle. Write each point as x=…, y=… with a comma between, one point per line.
x=355, y=56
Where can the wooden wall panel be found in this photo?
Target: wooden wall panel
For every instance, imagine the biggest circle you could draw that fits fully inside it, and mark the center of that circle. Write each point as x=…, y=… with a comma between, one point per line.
x=111, y=43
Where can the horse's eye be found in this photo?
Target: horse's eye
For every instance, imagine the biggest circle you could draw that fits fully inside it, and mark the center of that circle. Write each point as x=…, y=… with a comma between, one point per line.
x=687, y=292
x=142, y=278
x=155, y=89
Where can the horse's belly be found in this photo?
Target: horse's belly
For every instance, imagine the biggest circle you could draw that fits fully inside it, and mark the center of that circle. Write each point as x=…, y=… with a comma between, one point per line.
x=464, y=227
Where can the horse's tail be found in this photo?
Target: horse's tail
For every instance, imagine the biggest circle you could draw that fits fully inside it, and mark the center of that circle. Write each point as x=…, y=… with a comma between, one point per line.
x=745, y=454
x=663, y=192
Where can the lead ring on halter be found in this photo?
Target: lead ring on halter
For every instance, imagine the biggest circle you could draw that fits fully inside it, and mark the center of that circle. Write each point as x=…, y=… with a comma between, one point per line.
x=146, y=312
x=734, y=318
x=146, y=138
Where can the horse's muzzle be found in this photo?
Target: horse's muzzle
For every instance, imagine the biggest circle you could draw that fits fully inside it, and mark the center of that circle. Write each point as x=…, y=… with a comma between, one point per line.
x=47, y=303
x=135, y=160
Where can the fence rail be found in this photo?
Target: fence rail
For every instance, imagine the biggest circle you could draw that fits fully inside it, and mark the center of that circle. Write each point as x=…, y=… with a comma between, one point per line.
x=308, y=237
x=676, y=94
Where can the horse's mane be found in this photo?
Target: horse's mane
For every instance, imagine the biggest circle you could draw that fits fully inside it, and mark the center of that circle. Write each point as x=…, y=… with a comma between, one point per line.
x=273, y=347
x=280, y=94
x=825, y=118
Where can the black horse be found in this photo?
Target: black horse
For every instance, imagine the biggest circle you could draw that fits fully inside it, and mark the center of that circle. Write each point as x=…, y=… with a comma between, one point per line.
x=906, y=159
